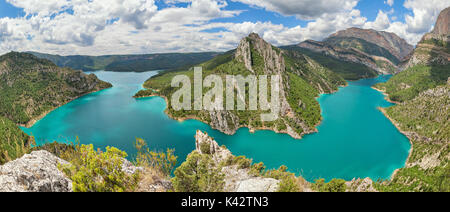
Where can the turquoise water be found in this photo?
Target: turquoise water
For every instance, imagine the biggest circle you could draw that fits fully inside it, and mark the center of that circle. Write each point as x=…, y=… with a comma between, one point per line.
x=354, y=139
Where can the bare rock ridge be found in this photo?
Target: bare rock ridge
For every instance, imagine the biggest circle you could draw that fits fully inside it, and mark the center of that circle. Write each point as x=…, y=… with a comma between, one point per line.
x=379, y=51
x=35, y=172
x=390, y=41
x=442, y=26
x=236, y=179
x=434, y=48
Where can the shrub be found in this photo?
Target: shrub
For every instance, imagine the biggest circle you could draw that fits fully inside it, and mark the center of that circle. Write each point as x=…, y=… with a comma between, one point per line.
x=335, y=185
x=164, y=162
x=198, y=174
x=205, y=148
x=96, y=171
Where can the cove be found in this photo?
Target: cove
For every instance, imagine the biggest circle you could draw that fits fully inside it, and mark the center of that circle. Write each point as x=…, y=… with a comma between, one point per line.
x=355, y=140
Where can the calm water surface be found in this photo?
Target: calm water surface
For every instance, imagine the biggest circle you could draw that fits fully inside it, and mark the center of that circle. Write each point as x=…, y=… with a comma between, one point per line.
x=355, y=140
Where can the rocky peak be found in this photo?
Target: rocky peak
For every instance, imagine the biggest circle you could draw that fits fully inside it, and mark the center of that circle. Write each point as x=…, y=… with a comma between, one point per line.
x=442, y=26
x=390, y=41
x=207, y=145
x=434, y=47
x=272, y=56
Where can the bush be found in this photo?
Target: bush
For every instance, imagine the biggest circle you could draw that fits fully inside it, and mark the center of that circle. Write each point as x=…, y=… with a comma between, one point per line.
x=335, y=185
x=164, y=162
x=96, y=171
x=198, y=174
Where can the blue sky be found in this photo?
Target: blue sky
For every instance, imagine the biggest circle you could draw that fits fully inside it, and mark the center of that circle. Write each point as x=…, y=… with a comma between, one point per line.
x=98, y=27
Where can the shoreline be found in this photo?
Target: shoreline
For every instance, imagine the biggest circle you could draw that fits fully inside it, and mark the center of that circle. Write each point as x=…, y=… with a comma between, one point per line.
x=395, y=123
x=386, y=96
x=33, y=121
x=251, y=129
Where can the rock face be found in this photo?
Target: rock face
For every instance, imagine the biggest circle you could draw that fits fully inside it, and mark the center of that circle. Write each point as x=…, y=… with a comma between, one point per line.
x=350, y=55
x=380, y=51
x=390, y=41
x=360, y=185
x=434, y=48
x=236, y=179
x=442, y=26
x=35, y=172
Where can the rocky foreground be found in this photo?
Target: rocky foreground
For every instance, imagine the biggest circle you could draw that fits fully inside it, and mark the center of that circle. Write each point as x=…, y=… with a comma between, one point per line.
x=39, y=172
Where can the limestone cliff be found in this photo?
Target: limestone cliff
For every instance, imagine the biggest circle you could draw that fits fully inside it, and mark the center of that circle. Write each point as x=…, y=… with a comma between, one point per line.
x=434, y=48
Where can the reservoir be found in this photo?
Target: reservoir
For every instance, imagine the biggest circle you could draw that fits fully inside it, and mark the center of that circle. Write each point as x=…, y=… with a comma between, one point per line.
x=355, y=140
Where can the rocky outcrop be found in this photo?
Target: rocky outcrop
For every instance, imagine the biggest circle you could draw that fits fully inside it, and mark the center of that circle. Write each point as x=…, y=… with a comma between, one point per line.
x=434, y=48
x=236, y=179
x=35, y=172
x=442, y=26
x=360, y=185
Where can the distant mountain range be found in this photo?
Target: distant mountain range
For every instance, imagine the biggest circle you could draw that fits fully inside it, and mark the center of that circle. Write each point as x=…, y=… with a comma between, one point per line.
x=128, y=63
x=379, y=52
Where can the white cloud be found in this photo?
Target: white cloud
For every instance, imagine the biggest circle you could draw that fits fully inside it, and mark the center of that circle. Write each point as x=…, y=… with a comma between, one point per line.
x=423, y=17
x=381, y=22
x=389, y=2
x=101, y=27
x=305, y=9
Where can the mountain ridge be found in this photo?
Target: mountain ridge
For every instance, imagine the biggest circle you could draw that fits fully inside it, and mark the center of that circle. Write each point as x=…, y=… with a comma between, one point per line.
x=377, y=50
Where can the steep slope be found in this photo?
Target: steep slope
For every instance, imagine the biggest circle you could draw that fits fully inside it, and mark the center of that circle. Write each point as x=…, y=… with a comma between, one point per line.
x=350, y=64
x=434, y=48
x=424, y=113
x=13, y=142
x=427, y=67
x=380, y=52
x=302, y=81
x=128, y=63
x=425, y=120
x=30, y=87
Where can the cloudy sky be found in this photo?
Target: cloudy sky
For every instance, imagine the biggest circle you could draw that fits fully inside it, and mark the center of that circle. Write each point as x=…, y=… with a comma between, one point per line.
x=99, y=27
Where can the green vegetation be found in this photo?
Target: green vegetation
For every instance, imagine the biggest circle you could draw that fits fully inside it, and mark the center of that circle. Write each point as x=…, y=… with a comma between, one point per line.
x=439, y=43
x=425, y=117
x=335, y=185
x=96, y=171
x=198, y=174
x=13, y=142
x=162, y=162
x=347, y=70
x=128, y=63
x=30, y=87
x=409, y=83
